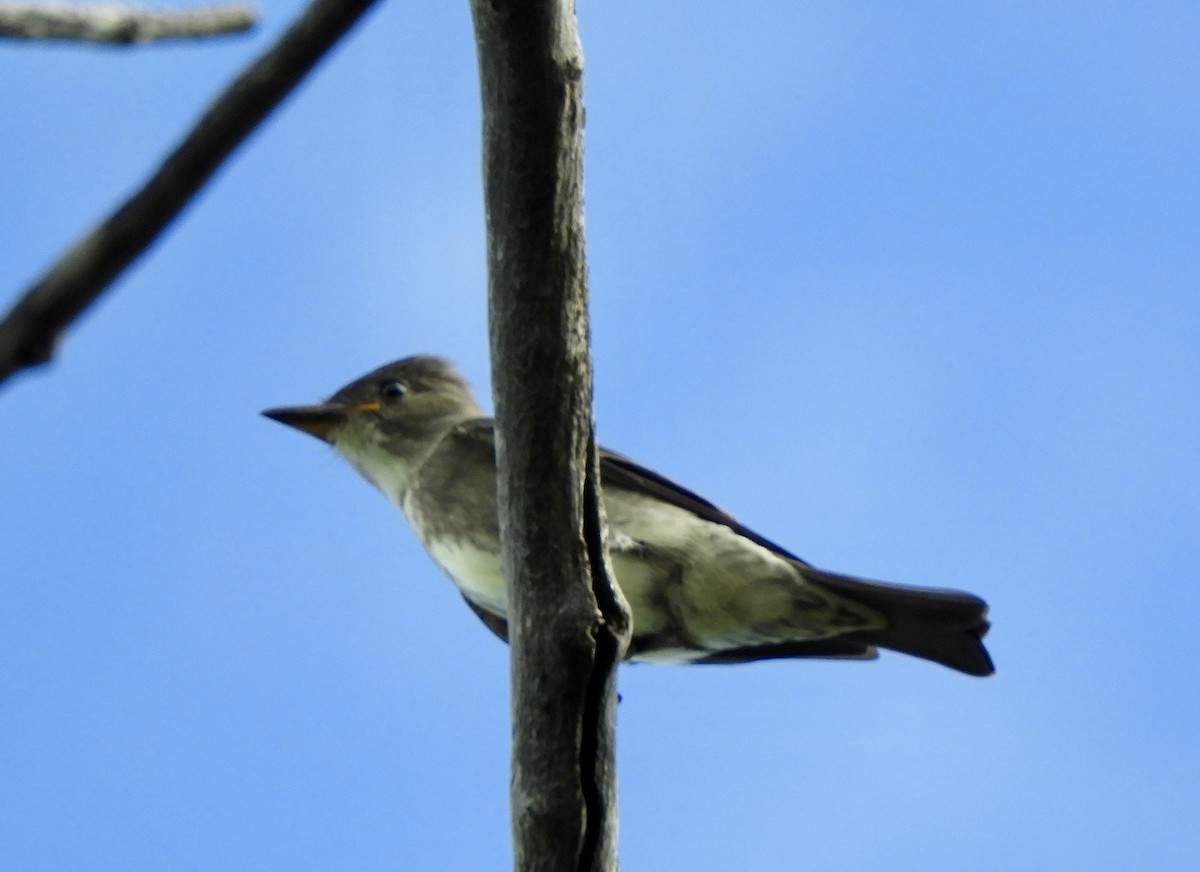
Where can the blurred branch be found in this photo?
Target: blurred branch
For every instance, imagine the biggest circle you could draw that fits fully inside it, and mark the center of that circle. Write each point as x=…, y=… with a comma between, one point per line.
x=31, y=330
x=568, y=622
x=121, y=25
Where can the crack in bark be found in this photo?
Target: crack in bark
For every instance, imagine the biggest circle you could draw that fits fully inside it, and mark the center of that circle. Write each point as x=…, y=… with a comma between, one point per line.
x=611, y=637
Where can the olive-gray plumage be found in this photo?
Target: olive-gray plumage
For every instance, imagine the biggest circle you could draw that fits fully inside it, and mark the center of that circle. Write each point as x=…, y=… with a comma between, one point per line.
x=702, y=588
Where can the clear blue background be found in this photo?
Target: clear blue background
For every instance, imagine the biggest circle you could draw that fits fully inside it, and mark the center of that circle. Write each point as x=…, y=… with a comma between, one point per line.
x=912, y=289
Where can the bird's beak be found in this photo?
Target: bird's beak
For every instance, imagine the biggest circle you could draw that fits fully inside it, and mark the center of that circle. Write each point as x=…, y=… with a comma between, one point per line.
x=321, y=421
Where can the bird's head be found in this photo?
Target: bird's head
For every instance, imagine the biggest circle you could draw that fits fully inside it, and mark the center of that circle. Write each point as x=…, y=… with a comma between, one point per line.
x=387, y=422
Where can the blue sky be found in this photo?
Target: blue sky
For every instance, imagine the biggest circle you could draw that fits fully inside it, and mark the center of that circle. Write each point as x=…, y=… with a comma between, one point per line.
x=912, y=290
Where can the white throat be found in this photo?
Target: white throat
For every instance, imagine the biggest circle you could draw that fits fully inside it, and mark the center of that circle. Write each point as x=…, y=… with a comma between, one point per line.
x=391, y=474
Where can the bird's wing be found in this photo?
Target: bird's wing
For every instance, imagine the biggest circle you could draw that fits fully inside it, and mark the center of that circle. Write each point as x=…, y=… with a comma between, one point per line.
x=619, y=471
x=495, y=623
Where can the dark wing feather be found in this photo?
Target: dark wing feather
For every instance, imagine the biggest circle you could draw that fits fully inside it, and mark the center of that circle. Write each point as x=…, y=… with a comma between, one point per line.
x=495, y=623
x=829, y=649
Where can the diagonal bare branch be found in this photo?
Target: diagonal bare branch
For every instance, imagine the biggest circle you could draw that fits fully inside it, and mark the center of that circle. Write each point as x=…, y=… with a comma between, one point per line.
x=31, y=330
x=121, y=25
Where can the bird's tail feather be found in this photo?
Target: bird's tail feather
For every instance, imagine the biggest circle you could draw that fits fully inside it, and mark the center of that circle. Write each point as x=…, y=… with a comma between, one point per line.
x=945, y=626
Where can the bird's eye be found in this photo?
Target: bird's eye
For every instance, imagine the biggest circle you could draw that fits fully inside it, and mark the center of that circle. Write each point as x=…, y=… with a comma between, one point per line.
x=392, y=390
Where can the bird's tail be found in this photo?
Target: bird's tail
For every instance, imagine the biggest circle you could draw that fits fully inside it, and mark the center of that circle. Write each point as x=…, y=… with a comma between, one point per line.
x=945, y=626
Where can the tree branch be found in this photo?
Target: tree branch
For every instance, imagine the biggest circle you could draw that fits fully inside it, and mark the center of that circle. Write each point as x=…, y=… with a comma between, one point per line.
x=121, y=25
x=31, y=329
x=568, y=623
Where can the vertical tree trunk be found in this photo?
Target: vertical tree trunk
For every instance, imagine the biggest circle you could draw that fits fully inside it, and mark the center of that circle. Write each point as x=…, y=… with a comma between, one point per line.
x=568, y=624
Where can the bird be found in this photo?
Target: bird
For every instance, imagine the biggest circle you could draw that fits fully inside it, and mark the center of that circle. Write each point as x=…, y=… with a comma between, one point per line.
x=701, y=586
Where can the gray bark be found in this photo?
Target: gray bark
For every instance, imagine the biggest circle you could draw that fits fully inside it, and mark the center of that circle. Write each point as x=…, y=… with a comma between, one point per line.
x=121, y=25
x=568, y=624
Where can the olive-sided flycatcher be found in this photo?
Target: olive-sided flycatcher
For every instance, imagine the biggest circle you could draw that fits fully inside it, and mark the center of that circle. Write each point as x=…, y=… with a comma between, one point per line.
x=702, y=588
